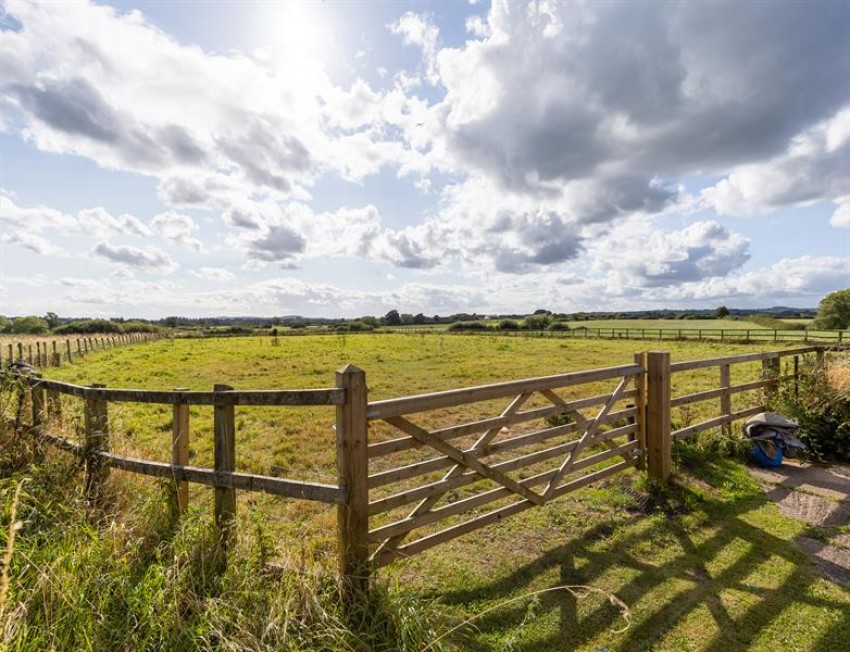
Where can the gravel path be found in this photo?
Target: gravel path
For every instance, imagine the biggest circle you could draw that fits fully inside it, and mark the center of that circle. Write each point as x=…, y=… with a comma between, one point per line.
x=820, y=496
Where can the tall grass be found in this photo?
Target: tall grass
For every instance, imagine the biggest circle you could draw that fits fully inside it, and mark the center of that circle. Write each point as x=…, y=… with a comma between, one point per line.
x=142, y=578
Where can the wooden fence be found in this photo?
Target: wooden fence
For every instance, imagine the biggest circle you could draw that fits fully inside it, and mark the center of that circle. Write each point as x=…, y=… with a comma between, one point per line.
x=415, y=472
x=54, y=351
x=576, y=331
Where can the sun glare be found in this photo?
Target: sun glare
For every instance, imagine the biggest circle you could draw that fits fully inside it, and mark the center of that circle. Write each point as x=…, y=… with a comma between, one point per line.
x=295, y=29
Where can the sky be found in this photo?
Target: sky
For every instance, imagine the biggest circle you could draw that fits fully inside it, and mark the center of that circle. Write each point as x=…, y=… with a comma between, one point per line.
x=339, y=159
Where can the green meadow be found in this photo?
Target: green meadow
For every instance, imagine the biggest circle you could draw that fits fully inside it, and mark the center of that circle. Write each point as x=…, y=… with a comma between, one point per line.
x=706, y=563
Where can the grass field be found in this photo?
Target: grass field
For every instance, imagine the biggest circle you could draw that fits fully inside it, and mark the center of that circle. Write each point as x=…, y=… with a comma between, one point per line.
x=709, y=564
x=299, y=443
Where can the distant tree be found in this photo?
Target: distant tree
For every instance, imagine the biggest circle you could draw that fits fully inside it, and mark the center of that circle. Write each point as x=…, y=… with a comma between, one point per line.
x=374, y=322
x=542, y=311
x=406, y=318
x=721, y=312
x=392, y=318
x=52, y=320
x=5, y=324
x=419, y=318
x=537, y=322
x=30, y=325
x=171, y=322
x=834, y=311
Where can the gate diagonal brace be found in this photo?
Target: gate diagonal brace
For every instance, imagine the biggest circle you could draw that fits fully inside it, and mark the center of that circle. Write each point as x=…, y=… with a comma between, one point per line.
x=465, y=459
x=428, y=503
x=587, y=438
x=579, y=417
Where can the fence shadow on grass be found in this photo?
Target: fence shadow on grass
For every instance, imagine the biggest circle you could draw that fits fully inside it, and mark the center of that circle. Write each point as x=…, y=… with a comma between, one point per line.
x=582, y=562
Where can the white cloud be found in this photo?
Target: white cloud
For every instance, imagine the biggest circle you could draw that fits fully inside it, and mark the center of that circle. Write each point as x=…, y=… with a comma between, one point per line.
x=149, y=259
x=88, y=221
x=477, y=26
x=636, y=257
x=419, y=30
x=218, y=274
x=546, y=100
x=813, y=168
x=804, y=279
x=88, y=80
x=178, y=228
x=841, y=216
x=33, y=242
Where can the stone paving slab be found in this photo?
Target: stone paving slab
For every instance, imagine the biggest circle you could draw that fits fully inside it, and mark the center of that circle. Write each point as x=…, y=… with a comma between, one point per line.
x=818, y=495
x=829, y=482
x=832, y=562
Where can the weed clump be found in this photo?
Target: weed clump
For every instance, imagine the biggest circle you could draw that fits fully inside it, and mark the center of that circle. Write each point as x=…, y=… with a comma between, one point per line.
x=820, y=402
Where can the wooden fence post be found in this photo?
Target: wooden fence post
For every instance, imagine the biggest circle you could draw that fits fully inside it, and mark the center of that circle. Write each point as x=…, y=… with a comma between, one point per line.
x=224, y=461
x=796, y=377
x=726, y=397
x=97, y=440
x=353, y=466
x=658, y=435
x=770, y=370
x=37, y=394
x=54, y=405
x=180, y=448
x=640, y=407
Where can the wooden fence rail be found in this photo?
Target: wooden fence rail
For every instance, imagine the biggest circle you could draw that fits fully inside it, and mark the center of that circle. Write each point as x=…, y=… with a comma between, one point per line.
x=46, y=353
x=417, y=471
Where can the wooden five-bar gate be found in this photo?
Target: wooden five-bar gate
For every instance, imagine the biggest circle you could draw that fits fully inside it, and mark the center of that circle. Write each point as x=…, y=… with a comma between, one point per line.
x=418, y=471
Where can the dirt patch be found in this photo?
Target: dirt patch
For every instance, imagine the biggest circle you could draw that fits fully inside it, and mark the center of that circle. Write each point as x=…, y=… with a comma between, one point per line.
x=820, y=496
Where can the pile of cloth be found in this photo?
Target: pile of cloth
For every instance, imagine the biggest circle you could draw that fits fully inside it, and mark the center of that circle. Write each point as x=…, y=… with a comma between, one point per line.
x=773, y=437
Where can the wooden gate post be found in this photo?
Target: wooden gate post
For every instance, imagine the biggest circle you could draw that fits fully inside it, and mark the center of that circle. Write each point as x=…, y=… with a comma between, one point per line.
x=180, y=448
x=658, y=436
x=353, y=466
x=224, y=461
x=97, y=440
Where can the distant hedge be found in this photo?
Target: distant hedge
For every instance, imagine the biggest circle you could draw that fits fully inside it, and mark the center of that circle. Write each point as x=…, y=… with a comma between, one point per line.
x=468, y=326
x=90, y=326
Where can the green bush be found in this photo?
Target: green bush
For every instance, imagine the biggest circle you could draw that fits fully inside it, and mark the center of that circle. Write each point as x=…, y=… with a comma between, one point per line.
x=509, y=325
x=30, y=325
x=537, y=322
x=355, y=327
x=821, y=409
x=559, y=326
x=468, y=326
x=87, y=326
